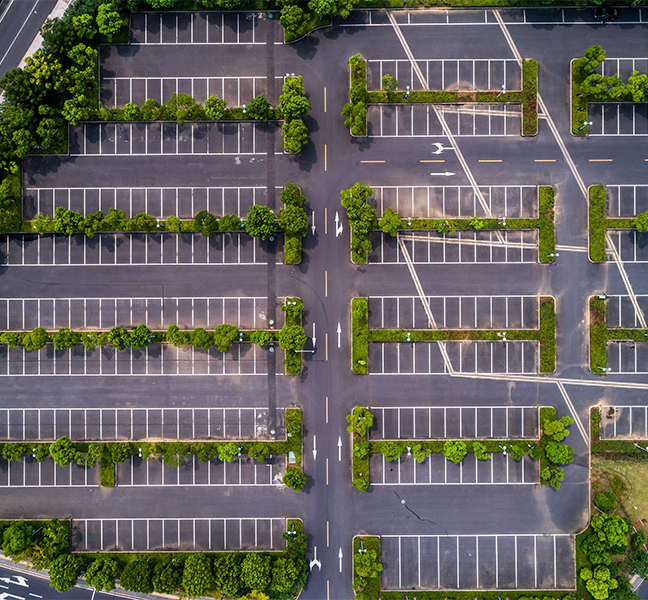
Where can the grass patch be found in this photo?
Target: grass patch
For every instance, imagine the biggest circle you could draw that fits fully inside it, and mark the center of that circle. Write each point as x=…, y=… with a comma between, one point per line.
x=547, y=335
x=292, y=249
x=360, y=336
x=546, y=226
x=598, y=335
x=108, y=474
x=597, y=223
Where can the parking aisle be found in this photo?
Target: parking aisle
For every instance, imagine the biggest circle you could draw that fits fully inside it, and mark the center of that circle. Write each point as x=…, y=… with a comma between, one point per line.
x=430, y=562
x=232, y=535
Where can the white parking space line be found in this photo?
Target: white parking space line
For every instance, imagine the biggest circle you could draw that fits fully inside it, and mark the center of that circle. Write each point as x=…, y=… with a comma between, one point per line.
x=156, y=312
x=162, y=202
x=425, y=358
x=504, y=561
x=203, y=29
x=626, y=357
x=455, y=422
x=457, y=201
x=231, y=534
x=455, y=312
x=617, y=119
x=624, y=422
x=448, y=73
x=470, y=247
x=621, y=311
x=29, y=473
x=163, y=249
x=626, y=200
x=420, y=120
x=122, y=424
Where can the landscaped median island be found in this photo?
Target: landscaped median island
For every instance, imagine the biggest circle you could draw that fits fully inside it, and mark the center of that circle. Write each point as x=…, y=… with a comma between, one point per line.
x=291, y=337
x=355, y=110
x=363, y=220
x=548, y=449
x=588, y=85
x=362, y=335
x=63, y=452
x=599, y=223
x=45, y=545
x=600, y=334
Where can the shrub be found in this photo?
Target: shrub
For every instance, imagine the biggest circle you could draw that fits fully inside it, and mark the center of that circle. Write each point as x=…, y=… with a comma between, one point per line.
x=64, y=451
x=101, y=574
x=262, y=337
x=206, y=223
x=201, y=338
x=230, y=223
x=255, y=571
x=167, y=577
x=10, y=338
x=64, y=339
x=391, y=450
x=120, y=451
x=639, y=539
x=391, y=223
x=259, y=109
x=197, y=578
x=291, y=195
x=293, y=221
x=118, y=337
x=292, y=337
x=227, y=573
x=140, y=336
x=17, y=539
x=360, y=421
x=64, y=572
x=294, y=479
x=605, y=501
x=225, y=335
x=177, y=337
x=35, y=340
x=136, y=577
x=260, y=222
x=215, y=108
x=295, y=136
x=455, y=450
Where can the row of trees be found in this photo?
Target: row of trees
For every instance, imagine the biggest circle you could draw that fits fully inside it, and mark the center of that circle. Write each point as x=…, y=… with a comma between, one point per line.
x=191, y=575
x=294, y=107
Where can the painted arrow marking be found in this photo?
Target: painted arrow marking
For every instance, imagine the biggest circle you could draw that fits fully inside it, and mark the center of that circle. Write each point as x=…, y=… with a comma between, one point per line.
x=339, y=332
x=440, y=148
x=315, y=562
x=314, y=447
x=340, y=558
x=339, y=448
x=314, y=335
x=21, y=581
x=446, y=174
x=7, y=596
x=339, y=228
x=313, y=224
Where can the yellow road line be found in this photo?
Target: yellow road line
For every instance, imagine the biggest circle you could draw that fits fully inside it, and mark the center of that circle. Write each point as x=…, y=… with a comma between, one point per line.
x=324, y=99
x=325, y=159
x=372, y=161
x=545, y=160
x=325, y=284
x=327, y=590
x=325, y=219
x=327, y=409
x=327, y=534
x=601, y=159
x=327, y=471
x=326, y=344
x=489, y=160
x=431, y=161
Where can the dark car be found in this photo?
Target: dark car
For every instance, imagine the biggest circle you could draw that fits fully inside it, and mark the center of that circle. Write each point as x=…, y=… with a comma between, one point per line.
x=602, y=15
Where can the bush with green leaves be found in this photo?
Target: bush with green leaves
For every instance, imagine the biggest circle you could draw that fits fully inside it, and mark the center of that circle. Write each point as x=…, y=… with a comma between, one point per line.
x=120, y=451
x=118, y=338
x=293, y=221
x=101, y=574
x=65, y=338
x=295, y=136
x=391, y=223
x=177, y=336
x=262, y=337
x=362, y=218
x=228, y=452
x=64, y=572
x=201, y=339
x=605, y=501
x=366, y=565
x=64, y=451
x=108, y=20
x=167, y=577
x=11, y=339
x=292, y=195
x=419, y=453
x=639, y=562
x=259, y=109
x=13, y=451
x=292, y=337
x=227, y=574
x=140, y=337
x=225, y=335
x=197, y=577
x=17, y=539
x=479, y=449
x=215, y=108
x=391, y=450
x=611, y=530
x=294, y=479
x=206, y=223
x=285, y=573
x=360, y=421
x=256, y=571
x=35, y=340
x=455, y=450
x=598, y=582
x=260, y=222
x=136, y=577
x=639, y=539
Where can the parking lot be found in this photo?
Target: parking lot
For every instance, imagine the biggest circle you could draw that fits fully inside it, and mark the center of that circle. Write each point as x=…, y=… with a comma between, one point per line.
x=472, y=562
x=425, y=358
x=122, y=424
x=454, y=422
x=437, y=470
x=454, y=312
x=624, y=422
x=457, y=201
x=620, y=311
x=625, y=200
x=232, y=535
x=28, y=472
x=631, y=245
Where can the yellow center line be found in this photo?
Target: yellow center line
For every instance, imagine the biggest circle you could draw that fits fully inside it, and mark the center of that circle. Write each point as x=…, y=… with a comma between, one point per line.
x=601, y=159
x=327, y=590
x=326, y=344
x=325, y=159
x=327, y=534
x=325, y=284
x=324, y=99
x=327, y=471
x=372, y=161
x=325, y=219
x=434, y=161
x=545, y=160
x=327, y=409
x=489, y=160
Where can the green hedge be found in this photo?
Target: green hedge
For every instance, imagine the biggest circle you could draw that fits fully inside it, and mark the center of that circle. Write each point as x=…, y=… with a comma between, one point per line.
x=355, y=111
x=546, y=225
x=597, y=223
x=360, y=336
x=293, y=360
x=372, y=588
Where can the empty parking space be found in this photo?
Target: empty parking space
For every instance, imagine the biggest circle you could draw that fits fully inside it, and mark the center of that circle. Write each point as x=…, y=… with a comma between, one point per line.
x=243, y=471
x=236, y=91
x=448, y=74
x=420, y=120
x=457, y=201
x=629, y=356
x=454, y=312
x=123, y=424
x=624, y=422
x=500, y=469
x=467, y=247
x=425, y=358
x=618, y=119
x=28, y=472
x=161, y=202
x=138, y=249
x=628, y=200
x=171, y=139
x=454, y=422
x=620, y=311
x=96, y=535
x=427, y=562
x=249, y=28
x=22, y=314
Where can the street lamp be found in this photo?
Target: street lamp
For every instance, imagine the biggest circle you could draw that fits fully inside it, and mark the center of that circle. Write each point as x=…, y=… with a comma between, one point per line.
x=585, y=124
x=244, y=109
x=408, y=91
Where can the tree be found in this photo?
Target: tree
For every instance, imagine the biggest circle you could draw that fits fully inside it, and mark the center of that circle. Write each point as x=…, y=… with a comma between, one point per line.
x=84, y=26
x=215, y=108
x=64, y=572
x=167, y=577
x=638, y=86
x=590, y=61
x=292, y=337
x=108, y=20
x=131, y=111
x=559, y=453
x=67, y=221
x=294, y=479
x=293, y=106
x=65, y=338
x=641, y=222
x=11, y=339
x=35, y=340
x=55, y=541
x=17, y=539
x=292, y=20
x=639, y=562
x=255, y=571
x=13, y=451
x=206, y=223
x=479, y=450
x=259, y=109
x=229, y=223
x=64, y=451
x=295, y=135
x=455, y=450
x=201, y=339
x=51, y=134
x=118, y=337
x=177, y=337
x=173, y=223
x=391, y=450
x=360, y=421
x=77, y=108
x=366, y=565
x=136, y=577
x=119, y=452
x=197, y=577
x=225, y=335
x=389, y=84
x=260, y=222
x=292, y=195
x=419, y=453
x=140, y=336
x=556, y=429
x=228, y=452
x=391, y=223
x=611, y=530
x=227, y=574
x=101, y=574
x=362, y=217
x=293, y=220
x=598, y=582
x=285, y=573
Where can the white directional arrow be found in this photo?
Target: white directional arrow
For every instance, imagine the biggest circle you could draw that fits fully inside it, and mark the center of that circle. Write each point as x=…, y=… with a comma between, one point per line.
x=314, y=335
x=313, y=224
x=339, y=228
x=21, y=581
x=7, y=596
x=340, y=557
x=314, y=447
x=339, y=332
x=313, y=562
x=339, y=448
x=446, y=174
x=440, y=148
